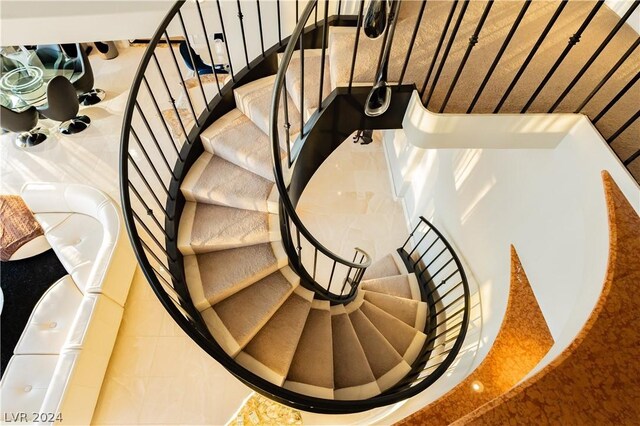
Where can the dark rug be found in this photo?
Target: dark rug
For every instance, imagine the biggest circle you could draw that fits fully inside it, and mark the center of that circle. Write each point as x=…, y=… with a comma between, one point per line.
x=23, y=283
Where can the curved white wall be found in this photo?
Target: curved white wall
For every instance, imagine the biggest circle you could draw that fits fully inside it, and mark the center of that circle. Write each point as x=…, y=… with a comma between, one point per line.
x=548, y=202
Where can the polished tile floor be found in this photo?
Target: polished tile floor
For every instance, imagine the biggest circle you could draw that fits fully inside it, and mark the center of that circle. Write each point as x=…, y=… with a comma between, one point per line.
x=157, y=375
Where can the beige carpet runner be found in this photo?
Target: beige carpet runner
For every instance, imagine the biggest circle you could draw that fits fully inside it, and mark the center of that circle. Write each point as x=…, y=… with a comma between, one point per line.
x=252, y=302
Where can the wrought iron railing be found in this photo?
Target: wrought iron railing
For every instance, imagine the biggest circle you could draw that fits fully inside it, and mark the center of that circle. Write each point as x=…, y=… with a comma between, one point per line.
x=309, y=257
x=444, y=286
x=160, y=142
x=158, y=147
x=304, y=250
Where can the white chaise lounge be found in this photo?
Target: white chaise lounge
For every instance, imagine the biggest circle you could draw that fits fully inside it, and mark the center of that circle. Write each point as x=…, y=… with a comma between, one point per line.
x=61, y=358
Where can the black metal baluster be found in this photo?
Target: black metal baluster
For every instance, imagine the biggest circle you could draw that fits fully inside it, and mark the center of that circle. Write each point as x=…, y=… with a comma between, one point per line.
x=445, y=331
x=297, y=12
x=496, y=60
x=157, y=259
x=436, y=258
x=279, y=23
x=595, y=54
x=302, y=86
x=346, y=279
x=624, y=127
x=206, y=38
x=355, y=45
x=171, y=98
x=333, y=269
x=153, y=137
x=244, y=37
x=260, y=27
x=444, y=309
x=226, y=41
x=149, y=211
x=193, y=63
x=424, y=254
x=443, y=34
x=447, y=49
x=155, y=240
x=146, y=183
x=632, y=158
x=173, y=294
x=419, y=242
x=616, y=98
x=415, y=229
x=315, y=262
x=609, y=74
x=151, y=164
x=299, y=246
x=531, y=54
x=433, y=276
x=159, y=275
x=324, y=49
x=435, y=301
x=164, y=123
x=444, y=281
x=413, y=40
x=315, y=13
x=473, y=40
x=573, y=40
x=287, y=124
x=184, y=86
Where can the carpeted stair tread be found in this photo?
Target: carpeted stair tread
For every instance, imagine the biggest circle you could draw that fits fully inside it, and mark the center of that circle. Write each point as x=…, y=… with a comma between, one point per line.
x=235, y=138
x=209, y=227
x=254, y=100
x=409, y=311
x=270, y=352
x=406, y=340
x=387, y=266
x=214, y=180
x=352, y=375
x=214, y=276
x=235, y=320
x=341, y=43
x=405, y=286
x=386, y=364
x=311, y=370
x=312, y=62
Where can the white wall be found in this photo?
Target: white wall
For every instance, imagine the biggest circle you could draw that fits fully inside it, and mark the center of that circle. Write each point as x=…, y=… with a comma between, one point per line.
x=69, y=21
x=549, y=203
x=620, y=7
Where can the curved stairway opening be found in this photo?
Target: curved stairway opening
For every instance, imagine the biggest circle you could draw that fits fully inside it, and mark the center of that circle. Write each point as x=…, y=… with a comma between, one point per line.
x=233, y=263
x=250, y=299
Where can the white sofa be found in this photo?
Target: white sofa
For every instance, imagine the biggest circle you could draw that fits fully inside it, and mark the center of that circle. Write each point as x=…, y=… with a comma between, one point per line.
x=61, y=358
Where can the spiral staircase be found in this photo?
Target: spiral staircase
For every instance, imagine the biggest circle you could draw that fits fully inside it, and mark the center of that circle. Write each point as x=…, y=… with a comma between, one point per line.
x=250, y=299
x=217, y=234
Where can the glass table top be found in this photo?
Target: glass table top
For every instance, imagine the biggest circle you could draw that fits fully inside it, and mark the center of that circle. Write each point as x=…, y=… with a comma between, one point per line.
x=25, y=74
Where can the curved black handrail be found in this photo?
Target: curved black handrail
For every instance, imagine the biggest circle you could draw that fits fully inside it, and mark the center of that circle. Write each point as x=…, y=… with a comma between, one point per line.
x=152, y=210
x=355, y=268
x=426, y=260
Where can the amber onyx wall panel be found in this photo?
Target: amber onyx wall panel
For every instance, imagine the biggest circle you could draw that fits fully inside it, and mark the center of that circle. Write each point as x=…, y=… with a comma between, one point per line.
x=596, y=380
x=523, y=340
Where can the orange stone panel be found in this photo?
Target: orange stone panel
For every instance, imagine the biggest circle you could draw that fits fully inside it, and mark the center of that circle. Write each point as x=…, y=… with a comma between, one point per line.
x=596, y=380
x=523, y=340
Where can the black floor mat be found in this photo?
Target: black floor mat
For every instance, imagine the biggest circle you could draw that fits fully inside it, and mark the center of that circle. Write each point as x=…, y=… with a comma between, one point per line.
x=23, y=283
